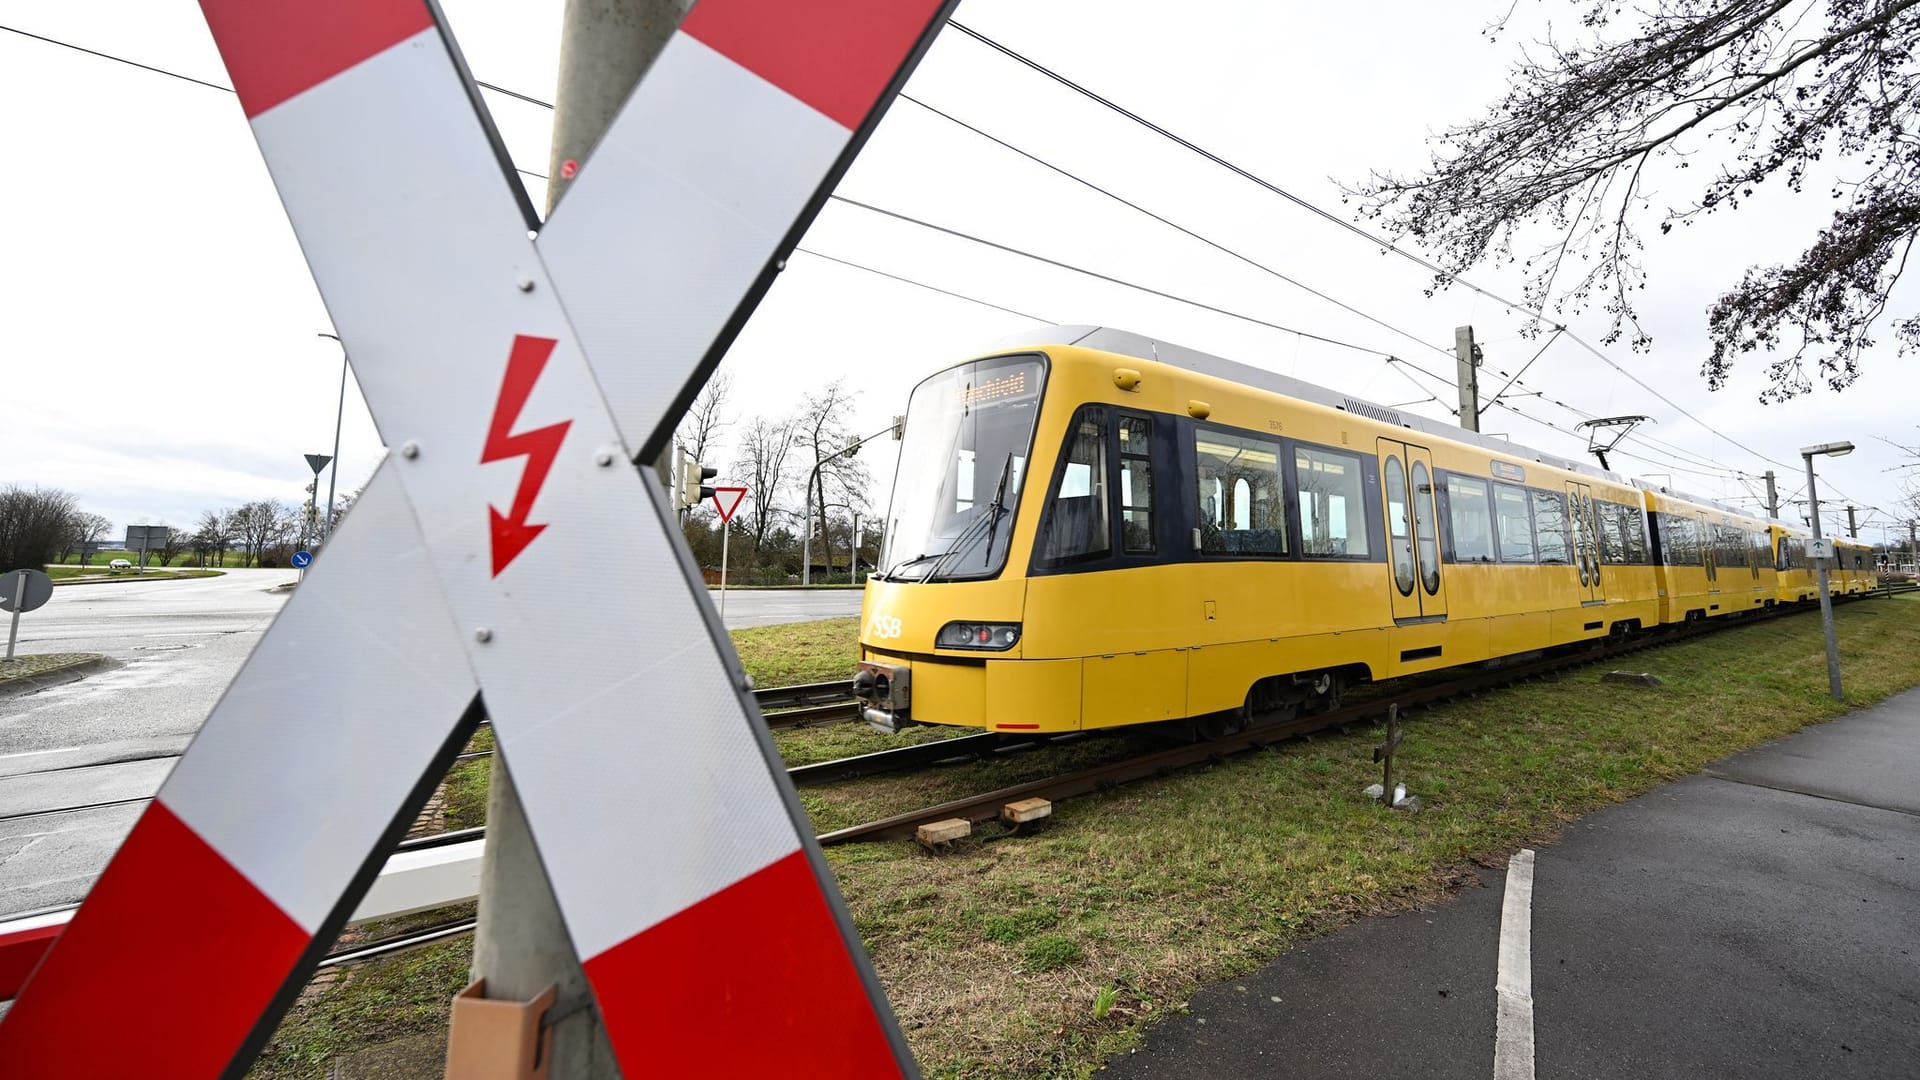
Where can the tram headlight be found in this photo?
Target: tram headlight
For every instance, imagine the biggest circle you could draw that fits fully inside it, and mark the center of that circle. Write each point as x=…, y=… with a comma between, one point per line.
x=979, y=636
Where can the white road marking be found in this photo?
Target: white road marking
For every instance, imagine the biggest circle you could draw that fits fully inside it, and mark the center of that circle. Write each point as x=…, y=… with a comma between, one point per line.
x=1513, y=987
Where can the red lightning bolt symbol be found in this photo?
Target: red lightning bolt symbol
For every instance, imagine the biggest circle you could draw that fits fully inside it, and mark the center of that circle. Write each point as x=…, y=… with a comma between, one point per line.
x=512, y=533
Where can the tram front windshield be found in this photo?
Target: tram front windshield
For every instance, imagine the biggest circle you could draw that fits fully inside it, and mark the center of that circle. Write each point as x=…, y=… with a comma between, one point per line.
x=964, y=456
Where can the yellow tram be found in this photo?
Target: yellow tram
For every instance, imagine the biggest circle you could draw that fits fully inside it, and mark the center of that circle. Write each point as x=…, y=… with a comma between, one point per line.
x=1090, y=528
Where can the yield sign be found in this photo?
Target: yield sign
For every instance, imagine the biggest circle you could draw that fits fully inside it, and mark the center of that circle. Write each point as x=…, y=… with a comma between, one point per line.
x=316, y=462
x=727, y=500
x=714, y=941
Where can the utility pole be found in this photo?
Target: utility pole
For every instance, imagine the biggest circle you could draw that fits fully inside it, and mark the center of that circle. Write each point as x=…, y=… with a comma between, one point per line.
x=520, y=944
x=1853, y=530
x=1773, y=497
x=1466, y=356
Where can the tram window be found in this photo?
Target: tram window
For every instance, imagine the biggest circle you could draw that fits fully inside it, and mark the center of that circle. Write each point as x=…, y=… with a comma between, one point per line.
x=1424, y=529
x=1076, y=526
x=1333, y=503
x=1514, y=524
x=1136, y=484
x=1399, y=529
x=1471, y=519
x=1633, y=523
x=1238, y=481
x=1613, y=547
x=962, y=481
x=1683, y=541
x=1550, y=525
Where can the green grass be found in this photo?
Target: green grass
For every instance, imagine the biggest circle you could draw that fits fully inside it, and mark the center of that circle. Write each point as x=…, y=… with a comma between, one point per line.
x=1039, y=954
x=73, y=575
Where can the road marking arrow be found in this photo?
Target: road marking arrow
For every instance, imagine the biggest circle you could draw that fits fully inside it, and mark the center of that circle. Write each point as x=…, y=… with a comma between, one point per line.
x=511, y=533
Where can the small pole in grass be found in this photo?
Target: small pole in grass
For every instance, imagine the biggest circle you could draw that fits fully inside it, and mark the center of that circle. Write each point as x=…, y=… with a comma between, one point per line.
x=1384, y=753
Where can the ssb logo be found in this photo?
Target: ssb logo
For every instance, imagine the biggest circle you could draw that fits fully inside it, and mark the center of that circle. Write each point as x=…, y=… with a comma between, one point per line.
x=883, y=626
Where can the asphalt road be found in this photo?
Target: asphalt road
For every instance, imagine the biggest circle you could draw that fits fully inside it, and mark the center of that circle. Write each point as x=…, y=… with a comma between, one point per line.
x=78, y=759
x=1757, y=921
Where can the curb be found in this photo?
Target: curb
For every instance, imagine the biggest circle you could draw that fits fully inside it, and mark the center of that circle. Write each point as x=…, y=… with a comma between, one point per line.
x=65, y=673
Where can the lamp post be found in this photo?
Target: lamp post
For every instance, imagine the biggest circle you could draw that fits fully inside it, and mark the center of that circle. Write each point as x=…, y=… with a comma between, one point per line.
x=339, y=413
x=806, y=530
x=1832, y=449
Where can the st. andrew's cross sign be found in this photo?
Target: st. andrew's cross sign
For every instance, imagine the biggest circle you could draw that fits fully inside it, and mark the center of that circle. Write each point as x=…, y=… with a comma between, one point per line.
x=692, y=891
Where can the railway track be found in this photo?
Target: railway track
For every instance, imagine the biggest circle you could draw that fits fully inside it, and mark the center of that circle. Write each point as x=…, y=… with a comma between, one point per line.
x=987, y=805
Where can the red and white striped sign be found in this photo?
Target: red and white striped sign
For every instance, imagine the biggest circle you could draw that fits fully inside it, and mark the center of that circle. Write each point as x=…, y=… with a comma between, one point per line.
x=701, y=910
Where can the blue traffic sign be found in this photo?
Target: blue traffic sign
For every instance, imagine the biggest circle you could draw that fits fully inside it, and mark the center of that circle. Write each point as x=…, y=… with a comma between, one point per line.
x=301, y=559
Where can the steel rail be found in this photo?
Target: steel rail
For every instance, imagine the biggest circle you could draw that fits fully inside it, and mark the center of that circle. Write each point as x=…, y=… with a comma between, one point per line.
x=398, y=943
x=814, y=715
x=986, y=806
x=788, y=697
x=986, y=744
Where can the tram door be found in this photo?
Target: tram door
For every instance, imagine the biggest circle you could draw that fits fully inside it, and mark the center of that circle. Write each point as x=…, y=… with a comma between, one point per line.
x=1586, y=541
x=1413, y=536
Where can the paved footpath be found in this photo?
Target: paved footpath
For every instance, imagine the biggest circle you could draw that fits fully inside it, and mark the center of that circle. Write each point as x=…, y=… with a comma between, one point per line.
x=1761, y=920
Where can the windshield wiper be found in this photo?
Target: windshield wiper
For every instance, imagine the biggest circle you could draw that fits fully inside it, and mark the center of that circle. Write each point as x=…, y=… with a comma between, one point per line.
x=975, y=531
x=916, y=560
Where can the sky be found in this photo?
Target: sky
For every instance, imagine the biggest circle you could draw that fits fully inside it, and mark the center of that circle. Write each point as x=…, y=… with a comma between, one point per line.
x=160, y=333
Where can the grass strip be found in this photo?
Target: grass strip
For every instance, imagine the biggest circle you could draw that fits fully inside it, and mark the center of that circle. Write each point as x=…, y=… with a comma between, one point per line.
x=1039, y=955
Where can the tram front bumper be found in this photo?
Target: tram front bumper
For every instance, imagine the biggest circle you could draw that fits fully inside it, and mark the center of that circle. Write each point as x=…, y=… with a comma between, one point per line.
x=885, y=693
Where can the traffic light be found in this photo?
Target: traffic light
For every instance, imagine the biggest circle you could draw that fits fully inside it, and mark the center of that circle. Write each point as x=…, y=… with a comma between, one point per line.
x=693, y=480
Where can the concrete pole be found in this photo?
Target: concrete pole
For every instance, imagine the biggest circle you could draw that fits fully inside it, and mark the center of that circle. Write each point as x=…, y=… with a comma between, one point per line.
x=520, y=945
x=1469, y=377
x=1773, y=497
x=1826, y=599
x=1853, y=529
x=339, y=414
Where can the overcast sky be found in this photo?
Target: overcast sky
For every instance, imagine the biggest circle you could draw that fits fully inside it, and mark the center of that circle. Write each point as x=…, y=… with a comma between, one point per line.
x=159, y=325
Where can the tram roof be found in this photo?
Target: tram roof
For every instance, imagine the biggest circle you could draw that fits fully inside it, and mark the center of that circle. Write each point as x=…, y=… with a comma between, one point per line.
x=1128, y=343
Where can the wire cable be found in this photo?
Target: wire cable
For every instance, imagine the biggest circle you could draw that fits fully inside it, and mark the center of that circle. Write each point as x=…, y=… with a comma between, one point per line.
x=1216, y=245
x=1379, y=241
x=229, y=89
x=1009, y=249
x=923, y=285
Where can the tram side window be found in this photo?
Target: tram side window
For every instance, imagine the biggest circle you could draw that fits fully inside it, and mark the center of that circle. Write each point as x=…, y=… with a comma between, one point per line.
x=1333, y=503
x=1515, y=525
x=1550, y=525
x=1136, y=484
x=1076, y=525
x=1471, y=519
x=1634, y=529
x=1613, y=532
x=1683, y=541
x=1237, y=478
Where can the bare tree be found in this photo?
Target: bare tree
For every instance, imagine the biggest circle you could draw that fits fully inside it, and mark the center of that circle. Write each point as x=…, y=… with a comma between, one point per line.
x=214, y=535
x=176, y=542
x=825, y=436
x=88, y=530
x=33, y=524
x=700, y=429
x=765, y=449
x=1777, y=83
x=255, y=525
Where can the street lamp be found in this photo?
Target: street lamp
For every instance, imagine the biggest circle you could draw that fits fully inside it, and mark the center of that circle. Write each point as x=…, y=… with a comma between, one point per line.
x=339, y=413
x=1830, y=449
x=806, y=532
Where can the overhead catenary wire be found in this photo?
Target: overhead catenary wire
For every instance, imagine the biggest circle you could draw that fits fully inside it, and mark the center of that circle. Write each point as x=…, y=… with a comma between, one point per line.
x=1063, y=265
x=922, y=285
x=1379, y=242
x=229, y=89
x=1696, y=459
x=1210, y=242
